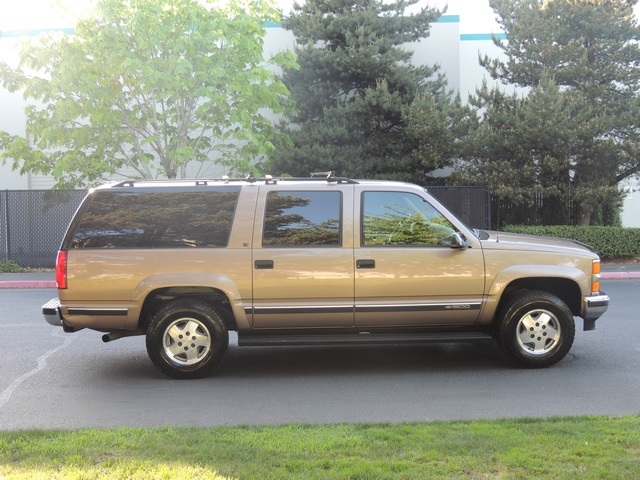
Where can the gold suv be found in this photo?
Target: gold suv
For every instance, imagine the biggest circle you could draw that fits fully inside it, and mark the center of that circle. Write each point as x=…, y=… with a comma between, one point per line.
x=311, y=262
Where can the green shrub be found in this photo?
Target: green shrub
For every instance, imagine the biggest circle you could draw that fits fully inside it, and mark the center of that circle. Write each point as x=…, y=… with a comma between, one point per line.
x=609, y=242
x=9, y=266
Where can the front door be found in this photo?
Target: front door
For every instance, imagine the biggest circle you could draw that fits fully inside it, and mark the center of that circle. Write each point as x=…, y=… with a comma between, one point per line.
x=407, y=274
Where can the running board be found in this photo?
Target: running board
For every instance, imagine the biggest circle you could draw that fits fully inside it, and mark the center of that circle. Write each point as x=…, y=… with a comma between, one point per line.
x=267, y=340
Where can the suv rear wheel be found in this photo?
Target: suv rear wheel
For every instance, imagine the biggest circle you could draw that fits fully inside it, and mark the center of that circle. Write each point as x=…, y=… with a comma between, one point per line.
x=535, y=329
x=187, y=339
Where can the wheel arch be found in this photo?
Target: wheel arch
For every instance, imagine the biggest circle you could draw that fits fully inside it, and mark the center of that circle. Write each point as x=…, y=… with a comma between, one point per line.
x=566, y=282
x=565, y=289
x=216, y=290
x=158, y=298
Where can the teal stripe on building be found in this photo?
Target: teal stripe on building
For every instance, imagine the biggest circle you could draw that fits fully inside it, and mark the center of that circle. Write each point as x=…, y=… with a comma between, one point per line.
x=449, y=19
x=477, y=37
x=465, y=37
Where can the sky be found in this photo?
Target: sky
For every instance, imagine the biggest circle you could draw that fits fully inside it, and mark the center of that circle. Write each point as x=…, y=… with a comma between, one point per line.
x=36, y=14
x=33, y=14
x=475, y=15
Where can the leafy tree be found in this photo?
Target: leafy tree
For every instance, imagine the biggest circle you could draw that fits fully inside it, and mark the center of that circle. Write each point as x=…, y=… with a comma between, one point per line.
x=355, y=87
x=148, y=85
x=576, y=134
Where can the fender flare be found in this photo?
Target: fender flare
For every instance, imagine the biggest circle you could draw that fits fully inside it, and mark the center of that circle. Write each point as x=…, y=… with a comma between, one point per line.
x=514, y=273
x=206, y=280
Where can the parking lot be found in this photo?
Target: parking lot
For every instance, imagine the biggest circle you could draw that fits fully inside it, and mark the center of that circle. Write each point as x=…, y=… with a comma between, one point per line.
x=49, y=379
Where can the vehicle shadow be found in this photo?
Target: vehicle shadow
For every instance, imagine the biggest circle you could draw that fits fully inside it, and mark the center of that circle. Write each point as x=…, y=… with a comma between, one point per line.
x=252, y=362
x=315, y=361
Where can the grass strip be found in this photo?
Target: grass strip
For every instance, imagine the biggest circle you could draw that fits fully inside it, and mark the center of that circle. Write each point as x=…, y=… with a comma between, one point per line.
x=580, y=447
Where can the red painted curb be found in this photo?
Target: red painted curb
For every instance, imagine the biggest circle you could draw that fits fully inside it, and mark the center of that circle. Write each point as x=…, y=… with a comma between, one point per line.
x=28, y=284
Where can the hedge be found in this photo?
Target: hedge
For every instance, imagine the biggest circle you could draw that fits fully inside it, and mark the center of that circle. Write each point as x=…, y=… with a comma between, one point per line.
x=9, y=266
x=609, y=242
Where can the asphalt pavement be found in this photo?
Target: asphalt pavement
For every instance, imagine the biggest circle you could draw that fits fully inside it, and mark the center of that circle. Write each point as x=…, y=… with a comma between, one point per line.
x=53, y=380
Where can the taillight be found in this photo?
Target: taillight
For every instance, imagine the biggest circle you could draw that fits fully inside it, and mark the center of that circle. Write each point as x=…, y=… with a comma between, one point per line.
x=61, y=270
x=595, y=277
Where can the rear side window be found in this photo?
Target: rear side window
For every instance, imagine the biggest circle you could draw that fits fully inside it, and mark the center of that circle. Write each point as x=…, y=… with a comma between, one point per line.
x=157, y=220
x=300, y=219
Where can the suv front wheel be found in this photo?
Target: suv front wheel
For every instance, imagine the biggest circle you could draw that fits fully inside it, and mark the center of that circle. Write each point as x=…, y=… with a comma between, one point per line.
x=535, y=329
x=187, y=339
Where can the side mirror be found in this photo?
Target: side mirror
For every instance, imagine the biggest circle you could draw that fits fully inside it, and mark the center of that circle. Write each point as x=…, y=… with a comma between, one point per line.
x=458, y=241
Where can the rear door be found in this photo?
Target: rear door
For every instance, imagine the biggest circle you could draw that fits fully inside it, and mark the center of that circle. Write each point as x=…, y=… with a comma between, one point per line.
x=303, y=267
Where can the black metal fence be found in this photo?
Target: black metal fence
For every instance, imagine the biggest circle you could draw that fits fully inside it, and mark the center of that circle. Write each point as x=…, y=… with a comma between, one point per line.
x=33, y=222
x=472, y=205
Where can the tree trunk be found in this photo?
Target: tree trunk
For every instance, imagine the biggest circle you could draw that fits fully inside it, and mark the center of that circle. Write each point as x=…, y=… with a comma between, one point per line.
x=585, y=209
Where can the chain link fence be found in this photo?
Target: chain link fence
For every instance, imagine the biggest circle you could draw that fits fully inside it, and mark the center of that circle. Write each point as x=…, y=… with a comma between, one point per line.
x=33, y=222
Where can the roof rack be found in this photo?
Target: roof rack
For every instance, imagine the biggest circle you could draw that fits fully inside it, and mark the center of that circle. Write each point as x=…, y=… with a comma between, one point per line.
x=331, y=177
x=267, y=179
x=196, y=181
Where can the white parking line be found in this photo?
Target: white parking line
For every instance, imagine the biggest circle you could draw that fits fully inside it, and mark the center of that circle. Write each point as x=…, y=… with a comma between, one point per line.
x=5, y=396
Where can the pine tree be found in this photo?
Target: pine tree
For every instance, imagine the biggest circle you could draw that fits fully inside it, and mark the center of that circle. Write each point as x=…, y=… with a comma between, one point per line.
x=580, y=60
x=355, y=88
x=525, y=151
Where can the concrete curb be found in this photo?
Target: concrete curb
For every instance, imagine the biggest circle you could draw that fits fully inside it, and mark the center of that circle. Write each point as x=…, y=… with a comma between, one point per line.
x=28, y=284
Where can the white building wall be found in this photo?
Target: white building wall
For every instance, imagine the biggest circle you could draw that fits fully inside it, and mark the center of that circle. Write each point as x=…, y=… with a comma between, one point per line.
x=631, y=203
x=436, y=48
x=12, y=120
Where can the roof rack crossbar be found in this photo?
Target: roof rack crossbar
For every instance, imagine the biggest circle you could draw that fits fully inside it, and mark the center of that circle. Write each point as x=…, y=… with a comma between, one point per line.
x=125, y=183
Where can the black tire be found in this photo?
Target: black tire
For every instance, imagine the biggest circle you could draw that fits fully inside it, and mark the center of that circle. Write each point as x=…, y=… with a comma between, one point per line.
x=535, y=329
x=187, y=339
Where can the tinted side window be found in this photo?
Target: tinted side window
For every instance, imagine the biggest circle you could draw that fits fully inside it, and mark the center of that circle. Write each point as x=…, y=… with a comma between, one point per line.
x=294, y=219
x=156, y=220
x=401, y=218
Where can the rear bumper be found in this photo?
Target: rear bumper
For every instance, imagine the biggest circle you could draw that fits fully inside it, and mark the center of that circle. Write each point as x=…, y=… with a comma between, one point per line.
x=594, y=308
x=51, y=312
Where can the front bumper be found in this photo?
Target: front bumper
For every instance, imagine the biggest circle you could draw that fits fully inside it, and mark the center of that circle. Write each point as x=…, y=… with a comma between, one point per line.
x=51, y=312
x=594, y=308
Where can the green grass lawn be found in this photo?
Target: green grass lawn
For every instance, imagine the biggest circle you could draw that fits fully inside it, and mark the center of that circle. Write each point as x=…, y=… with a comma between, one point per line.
x=584, y=448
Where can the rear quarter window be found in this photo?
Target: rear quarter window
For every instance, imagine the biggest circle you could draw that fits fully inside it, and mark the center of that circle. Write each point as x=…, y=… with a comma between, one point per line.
x=302, y=219
x=156, y=220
